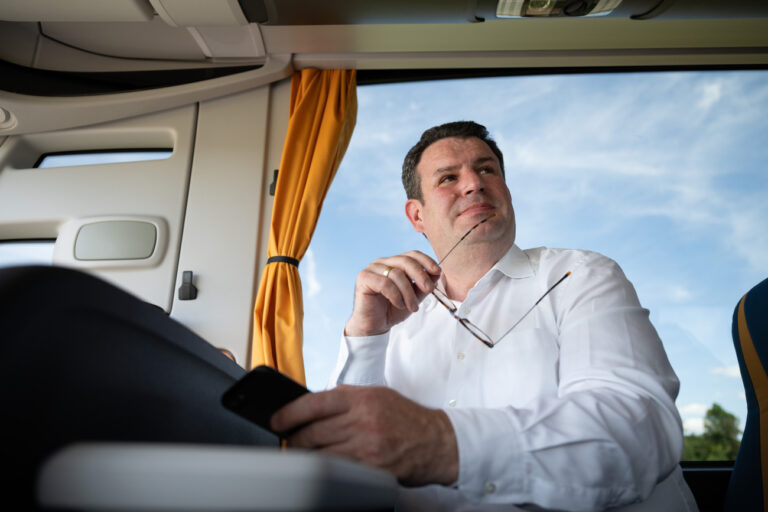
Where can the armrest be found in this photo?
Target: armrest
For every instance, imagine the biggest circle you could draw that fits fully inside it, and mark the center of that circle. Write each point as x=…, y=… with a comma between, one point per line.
x=152, y=476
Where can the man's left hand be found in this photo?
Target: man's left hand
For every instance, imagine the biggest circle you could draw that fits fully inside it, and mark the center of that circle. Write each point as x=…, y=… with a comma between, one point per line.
x=376, y=426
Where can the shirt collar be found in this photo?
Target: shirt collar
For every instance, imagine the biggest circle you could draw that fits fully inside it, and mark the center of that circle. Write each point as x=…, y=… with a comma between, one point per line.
x=514, y=264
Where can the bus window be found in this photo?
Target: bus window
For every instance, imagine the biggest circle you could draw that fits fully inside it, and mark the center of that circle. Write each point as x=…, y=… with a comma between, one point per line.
x=68, y=159
x=660, y=171
x=26, y=252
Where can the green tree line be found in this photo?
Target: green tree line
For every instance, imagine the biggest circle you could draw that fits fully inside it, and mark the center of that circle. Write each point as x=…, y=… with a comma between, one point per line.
x=720, y=439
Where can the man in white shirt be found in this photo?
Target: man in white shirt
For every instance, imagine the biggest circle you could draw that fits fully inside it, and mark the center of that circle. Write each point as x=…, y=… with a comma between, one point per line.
x=498, y=378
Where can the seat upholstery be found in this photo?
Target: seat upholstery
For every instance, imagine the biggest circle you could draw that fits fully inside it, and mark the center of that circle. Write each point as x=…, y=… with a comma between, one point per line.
x=748, y=487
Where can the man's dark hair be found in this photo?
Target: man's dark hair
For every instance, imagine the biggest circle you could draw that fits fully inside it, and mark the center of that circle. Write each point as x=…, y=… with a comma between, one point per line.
x=461, y=129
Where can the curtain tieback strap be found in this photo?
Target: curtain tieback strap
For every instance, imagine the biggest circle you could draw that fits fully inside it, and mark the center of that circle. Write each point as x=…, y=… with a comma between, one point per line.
x=283, y=259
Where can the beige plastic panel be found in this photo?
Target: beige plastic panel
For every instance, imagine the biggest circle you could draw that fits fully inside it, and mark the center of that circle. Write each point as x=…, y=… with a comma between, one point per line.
x=47, y=203
x=494, y=43
x=75, y=10
x=524, y=43
x=37, y=114
x=239, y=142
x=153, y=40
x=222, y=43
x=514, y=36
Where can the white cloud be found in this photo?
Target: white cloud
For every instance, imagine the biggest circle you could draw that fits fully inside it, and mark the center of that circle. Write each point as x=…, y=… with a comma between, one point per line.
x=694, y=426
x=728, y=371
x=313, y=286
x=694, y=410
x=679, y=293
x=745, y=232
x=384, y=138
x=709, y=326
x=710, y=94
x=617, y=158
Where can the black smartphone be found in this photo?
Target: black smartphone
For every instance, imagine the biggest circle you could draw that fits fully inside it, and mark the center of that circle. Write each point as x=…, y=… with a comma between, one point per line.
x=260, y=393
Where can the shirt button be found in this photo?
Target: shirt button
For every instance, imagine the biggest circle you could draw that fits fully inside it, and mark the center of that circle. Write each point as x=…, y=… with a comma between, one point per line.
x=490, y=488
x=452, y=403
x=460, y=356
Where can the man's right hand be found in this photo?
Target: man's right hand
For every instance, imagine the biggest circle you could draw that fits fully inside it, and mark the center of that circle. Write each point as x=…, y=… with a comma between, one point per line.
x=388, y=290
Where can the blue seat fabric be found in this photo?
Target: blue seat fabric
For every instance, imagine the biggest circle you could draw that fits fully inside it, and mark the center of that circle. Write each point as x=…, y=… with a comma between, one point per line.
x=746, y=490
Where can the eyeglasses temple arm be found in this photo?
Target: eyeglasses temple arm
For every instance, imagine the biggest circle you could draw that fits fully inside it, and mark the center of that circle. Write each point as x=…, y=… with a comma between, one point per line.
x=463, y=237
x=534, y=305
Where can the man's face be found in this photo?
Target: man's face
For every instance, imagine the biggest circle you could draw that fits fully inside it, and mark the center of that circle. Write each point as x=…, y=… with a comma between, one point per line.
x=461, y=184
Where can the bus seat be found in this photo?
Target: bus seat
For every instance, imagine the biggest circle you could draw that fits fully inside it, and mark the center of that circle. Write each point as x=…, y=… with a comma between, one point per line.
x=83, y=360
x=748, y=487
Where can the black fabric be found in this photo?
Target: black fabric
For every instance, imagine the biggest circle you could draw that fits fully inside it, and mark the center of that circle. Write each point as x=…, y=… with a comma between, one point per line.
x=283, y=259
x=83, y=360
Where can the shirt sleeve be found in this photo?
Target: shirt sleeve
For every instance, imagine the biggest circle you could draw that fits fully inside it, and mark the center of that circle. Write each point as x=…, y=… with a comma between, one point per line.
x=609, y=433
x=361, y=361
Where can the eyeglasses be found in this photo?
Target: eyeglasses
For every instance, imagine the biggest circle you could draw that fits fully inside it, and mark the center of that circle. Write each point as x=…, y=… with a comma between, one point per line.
x=465, y=322
x=475, y=330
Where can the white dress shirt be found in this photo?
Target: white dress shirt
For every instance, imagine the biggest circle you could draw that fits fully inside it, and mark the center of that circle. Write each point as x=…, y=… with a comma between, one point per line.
x=574, y=409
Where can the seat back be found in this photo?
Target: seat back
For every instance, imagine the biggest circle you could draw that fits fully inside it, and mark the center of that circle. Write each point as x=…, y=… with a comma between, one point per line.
x=82, y=361
x=748, y=487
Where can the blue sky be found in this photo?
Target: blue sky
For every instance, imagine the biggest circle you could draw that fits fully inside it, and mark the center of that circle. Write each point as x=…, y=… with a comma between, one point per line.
x=663, y=172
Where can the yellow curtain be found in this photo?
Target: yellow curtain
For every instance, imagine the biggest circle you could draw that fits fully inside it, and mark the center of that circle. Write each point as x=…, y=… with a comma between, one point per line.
x=322, y=116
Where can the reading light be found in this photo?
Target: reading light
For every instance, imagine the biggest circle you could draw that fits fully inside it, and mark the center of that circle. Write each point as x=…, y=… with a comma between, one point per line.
x=554, y=8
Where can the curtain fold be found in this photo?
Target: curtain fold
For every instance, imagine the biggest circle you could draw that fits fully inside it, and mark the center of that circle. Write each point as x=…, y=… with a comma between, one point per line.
x=323, y=112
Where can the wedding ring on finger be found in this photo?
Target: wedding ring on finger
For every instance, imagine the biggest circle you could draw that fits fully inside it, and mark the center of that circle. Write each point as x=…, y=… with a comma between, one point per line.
x=386, y=271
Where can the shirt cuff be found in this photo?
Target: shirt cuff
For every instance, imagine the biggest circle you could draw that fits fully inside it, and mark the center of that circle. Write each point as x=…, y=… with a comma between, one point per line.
x=361, y=360
x=492, y=465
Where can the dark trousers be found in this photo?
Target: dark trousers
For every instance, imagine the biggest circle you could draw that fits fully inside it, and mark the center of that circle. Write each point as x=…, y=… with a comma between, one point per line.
x=82, y=360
